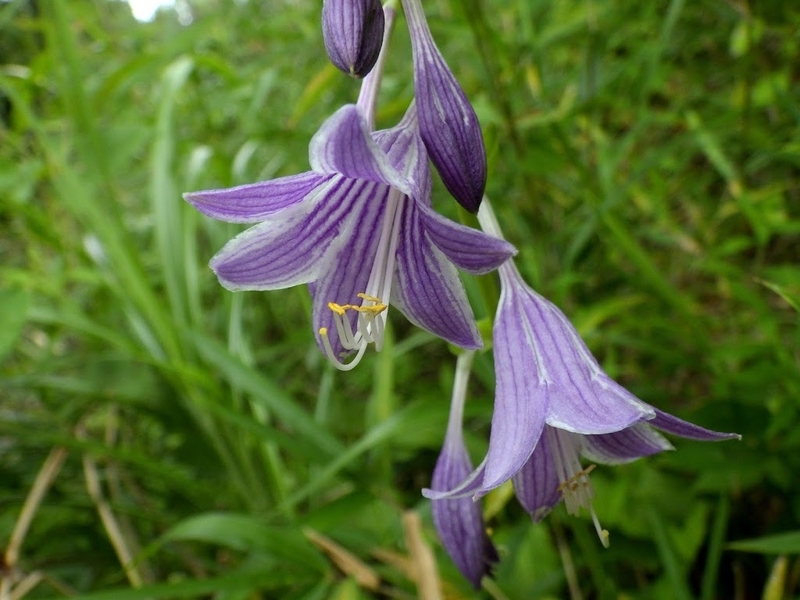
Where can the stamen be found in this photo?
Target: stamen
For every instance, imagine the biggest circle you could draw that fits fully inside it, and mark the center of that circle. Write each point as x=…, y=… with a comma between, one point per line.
x=369, y=329
x=575, y=487
x=370, y=323
x=369, y=298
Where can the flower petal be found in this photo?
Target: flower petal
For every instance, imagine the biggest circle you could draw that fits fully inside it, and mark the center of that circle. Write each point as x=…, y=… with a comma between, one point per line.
x=406, y=152
x=448, y=123
x=344, y=145
x=469, y=249
x=427, y=288
x=349, y=264
x=255, y=202
x=536, y=485
x=674, y=425
x=469, y=487
x=624, y=446
x=285, y=252
x=580, y=396
x=519, y=412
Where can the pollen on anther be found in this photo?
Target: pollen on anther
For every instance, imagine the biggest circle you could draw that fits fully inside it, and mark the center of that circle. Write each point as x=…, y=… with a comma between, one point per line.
x=364, y=296
x=338, y=308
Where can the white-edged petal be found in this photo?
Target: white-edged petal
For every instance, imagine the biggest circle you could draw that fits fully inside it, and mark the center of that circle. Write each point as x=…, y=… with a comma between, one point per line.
x=344, y=145
x=255, y=202
x=285, y=252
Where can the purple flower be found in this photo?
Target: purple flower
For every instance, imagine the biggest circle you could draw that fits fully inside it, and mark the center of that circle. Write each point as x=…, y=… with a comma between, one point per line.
x=353, y=34
x=447, y=122
x=554, y=403
x=459, y=521
x=361, y=229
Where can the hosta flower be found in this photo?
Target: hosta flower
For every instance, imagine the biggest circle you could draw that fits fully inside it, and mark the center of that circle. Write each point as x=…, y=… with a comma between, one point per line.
x=458, y=520
x=447, y=122
x=554, y=403
x=554, y=473
x=353, y=33
x=360, y=228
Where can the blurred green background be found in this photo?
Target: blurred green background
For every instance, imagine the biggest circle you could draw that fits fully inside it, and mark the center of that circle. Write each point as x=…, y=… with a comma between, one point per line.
x=161, y=437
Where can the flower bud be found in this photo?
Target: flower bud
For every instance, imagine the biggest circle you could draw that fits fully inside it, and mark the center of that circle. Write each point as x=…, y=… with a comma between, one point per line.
x=447, y=122
x=353, y=34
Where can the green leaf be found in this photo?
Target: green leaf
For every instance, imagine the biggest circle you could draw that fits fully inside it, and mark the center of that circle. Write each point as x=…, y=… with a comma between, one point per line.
x=13, y=314
x=247, y=533
x=196, y=588
x=781, y=543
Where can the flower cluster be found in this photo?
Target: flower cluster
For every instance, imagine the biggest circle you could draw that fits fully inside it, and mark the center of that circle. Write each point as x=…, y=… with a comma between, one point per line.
x=360, y=229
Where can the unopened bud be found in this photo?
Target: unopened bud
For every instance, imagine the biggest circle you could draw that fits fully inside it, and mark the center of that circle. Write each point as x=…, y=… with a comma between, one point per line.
x=353, y=33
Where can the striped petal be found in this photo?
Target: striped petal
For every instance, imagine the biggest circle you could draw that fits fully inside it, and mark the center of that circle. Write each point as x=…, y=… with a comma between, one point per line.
x=469, y=249
x=350, y=264
x=427, y=288
x=580, y=396
x=684, y=429
x=345, y=146
x=285, y=252
x=536, y=485
x=519, y=412
x=624, y=446
x=406, y=152
x=252, y=203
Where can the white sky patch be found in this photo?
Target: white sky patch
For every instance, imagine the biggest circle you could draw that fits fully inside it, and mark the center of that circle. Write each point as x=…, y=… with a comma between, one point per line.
x=145, y=10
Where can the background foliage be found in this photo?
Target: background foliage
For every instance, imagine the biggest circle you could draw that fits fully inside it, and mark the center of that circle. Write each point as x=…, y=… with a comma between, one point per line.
x=161, y=437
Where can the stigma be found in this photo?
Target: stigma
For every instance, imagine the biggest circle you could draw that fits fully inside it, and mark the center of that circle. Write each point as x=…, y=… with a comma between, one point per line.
x=575, y=487
x=370, y=327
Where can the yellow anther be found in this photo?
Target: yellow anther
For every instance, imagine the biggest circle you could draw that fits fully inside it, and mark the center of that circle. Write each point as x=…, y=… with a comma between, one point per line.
x=323, y=331
x=338, y=308
x=372, y=310
x=369, y=298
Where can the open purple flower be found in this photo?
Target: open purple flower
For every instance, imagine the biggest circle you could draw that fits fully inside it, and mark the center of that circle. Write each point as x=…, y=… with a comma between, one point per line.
x=360, y=227
x=447, y=122
x=353, y=33
x=459, y=521
x=554, y=403
x=553, y=472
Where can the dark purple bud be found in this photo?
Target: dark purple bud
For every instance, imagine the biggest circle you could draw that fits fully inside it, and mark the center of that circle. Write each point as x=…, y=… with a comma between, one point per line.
x=353, y=33
x=447, y=122
x=459, y=521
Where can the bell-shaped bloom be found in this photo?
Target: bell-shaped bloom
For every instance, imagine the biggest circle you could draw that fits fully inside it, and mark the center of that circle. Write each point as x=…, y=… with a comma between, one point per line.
x=554, y=473
x=554, y=403
x=353, y=34
x=447, y=122
x=459, y=521
x=360, y=228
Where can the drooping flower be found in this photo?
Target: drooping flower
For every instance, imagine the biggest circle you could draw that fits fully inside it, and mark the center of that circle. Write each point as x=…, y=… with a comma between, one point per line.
x=459, y=521
x=447, y=122
x=361, y=228
x=554, y=473
x=353, y=33
x=554, y=403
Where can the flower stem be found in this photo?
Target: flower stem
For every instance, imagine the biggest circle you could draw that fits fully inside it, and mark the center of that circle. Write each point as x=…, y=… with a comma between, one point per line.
x=367, y=97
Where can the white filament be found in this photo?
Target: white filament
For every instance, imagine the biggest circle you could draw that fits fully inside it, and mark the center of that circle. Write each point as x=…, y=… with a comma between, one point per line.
x=371, y=321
